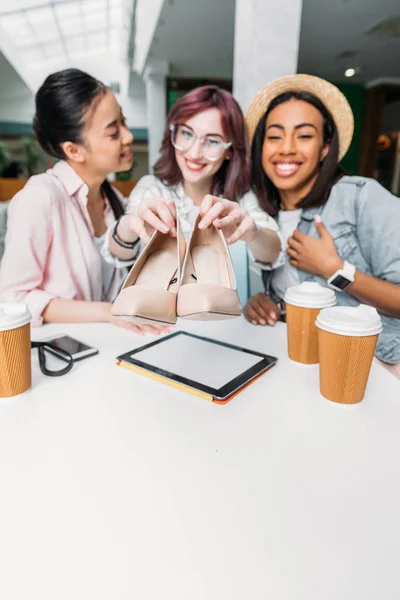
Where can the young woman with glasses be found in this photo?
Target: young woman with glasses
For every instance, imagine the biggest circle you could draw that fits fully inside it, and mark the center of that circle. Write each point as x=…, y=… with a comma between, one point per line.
x=203, y=167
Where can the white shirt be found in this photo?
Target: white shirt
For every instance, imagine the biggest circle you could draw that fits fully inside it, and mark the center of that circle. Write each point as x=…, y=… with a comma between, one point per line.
x=150, y=186
x=286, y=275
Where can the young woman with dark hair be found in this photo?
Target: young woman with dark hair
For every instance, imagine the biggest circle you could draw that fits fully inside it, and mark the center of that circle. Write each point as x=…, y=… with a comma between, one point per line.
x=340, y=231
x=204, y=167
x=58, y=221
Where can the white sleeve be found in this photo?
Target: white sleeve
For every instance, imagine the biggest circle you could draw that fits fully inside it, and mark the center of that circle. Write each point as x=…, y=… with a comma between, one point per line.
x=263, y=220
x=147, y=187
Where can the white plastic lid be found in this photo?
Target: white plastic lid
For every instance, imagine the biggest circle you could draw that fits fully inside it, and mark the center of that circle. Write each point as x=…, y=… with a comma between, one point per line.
x=13, y=316
x=310, y=294
x=360, y=320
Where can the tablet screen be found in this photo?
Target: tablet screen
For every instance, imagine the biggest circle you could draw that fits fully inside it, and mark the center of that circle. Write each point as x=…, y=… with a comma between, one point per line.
x=196, y=359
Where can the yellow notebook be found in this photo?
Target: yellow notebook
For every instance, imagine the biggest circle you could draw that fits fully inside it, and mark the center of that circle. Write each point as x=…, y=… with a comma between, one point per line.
x=207, y=368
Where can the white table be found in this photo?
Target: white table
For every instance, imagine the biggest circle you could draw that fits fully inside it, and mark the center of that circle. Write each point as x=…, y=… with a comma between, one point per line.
x=117, y=487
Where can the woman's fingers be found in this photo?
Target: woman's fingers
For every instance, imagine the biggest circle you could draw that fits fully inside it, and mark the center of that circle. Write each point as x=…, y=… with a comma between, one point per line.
x=149, y=217
x=212, y=214
x=235, y=217
x=159, y=213
x=245, y=226
x=263, y=307
x=293, y=243
x=207, y=203
x=167, y=212
x=251, y=314
x=155, y=329
x=256, y=310
x=140, y=329
x=137, y=225
x=127, y=325
x=292, y=253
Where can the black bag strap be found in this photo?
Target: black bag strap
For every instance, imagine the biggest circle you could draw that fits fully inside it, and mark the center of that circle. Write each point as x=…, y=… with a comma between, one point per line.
x=41, y=346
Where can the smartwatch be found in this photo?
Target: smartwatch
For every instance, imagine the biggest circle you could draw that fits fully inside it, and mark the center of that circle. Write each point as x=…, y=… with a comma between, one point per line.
x=344, y=277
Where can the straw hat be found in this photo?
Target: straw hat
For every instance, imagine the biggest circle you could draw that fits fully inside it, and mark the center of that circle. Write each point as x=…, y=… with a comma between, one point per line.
x=328, y=93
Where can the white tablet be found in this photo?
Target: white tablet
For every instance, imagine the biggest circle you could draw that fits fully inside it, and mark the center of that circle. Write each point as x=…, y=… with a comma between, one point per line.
x=200, y=363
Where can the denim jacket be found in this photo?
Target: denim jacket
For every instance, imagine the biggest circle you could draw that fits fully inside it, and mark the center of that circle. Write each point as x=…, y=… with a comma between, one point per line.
x=364, y=220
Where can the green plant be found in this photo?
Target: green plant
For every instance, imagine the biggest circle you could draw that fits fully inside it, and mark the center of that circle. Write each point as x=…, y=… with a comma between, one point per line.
x=30, y=155
x=5, y=157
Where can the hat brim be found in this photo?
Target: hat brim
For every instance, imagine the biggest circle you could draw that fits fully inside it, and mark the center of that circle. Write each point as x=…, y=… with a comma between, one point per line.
x=329, y=94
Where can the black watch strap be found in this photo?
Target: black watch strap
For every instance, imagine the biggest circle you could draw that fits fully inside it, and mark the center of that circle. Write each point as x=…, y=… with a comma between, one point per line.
x=122, y=243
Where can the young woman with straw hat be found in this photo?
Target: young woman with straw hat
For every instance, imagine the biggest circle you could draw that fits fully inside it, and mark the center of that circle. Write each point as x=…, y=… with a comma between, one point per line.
x=340, y=231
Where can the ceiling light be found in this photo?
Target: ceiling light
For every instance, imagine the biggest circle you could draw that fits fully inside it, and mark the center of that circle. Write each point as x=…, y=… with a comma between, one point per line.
x=350, y=72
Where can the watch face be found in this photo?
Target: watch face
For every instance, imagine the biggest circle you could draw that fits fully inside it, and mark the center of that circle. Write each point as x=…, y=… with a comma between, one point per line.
x=340, y=282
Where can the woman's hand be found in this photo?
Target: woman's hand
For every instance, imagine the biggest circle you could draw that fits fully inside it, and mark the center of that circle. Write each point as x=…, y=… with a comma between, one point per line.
x=235, y=222
x=151, y=213
x=137, y=328
x=317, y=256
x=260, y=310
x=62, y=310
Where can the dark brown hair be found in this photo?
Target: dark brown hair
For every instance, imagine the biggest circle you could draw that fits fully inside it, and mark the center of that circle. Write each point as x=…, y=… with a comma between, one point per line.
x=330, y=171
x=233, y=178
x=62, y=102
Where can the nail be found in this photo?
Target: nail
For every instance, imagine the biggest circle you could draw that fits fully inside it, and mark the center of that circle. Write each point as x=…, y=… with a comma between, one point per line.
x=254, y=322
x=202, y=224
x=164, y=229
x=318, y=219
x=271, y=322
x=173, y=231
x=262, y=322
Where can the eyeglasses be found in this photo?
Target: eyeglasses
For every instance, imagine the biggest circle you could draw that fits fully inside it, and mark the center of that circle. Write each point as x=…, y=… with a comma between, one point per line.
x=183, y=138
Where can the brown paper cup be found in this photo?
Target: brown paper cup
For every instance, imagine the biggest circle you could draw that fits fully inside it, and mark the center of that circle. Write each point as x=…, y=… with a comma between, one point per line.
x=302, y=334
x=15, y=361
x=345, y=363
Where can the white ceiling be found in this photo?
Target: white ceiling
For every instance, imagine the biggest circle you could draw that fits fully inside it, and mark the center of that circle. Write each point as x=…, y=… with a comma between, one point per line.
x=197, y=38
x=331, y=27
x=43, y=32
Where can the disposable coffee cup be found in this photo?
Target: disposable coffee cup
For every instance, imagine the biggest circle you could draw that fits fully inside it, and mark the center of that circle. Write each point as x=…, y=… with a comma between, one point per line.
x=15, y=350
x=303, y=305
x=347, y=341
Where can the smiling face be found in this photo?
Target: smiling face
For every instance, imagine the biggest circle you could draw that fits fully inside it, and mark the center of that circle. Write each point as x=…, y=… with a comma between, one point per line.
x=106, y=140
x=194, y=166
x=294, y=146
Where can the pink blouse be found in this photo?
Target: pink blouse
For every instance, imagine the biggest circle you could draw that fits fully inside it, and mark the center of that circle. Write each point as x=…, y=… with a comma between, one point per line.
x=50, y=249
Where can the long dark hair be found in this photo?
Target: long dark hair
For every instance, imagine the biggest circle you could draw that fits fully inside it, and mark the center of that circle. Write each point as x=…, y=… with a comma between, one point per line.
x=233, y=178
x=330, y=171
x=61, y=106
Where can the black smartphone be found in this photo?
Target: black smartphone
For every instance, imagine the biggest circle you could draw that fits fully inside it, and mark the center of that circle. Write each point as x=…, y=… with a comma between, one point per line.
x=77, y=349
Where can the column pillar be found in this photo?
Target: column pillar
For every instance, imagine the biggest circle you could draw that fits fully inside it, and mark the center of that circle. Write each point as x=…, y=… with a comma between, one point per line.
x=155, y=75
x=266, y=44
x=266, y=48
